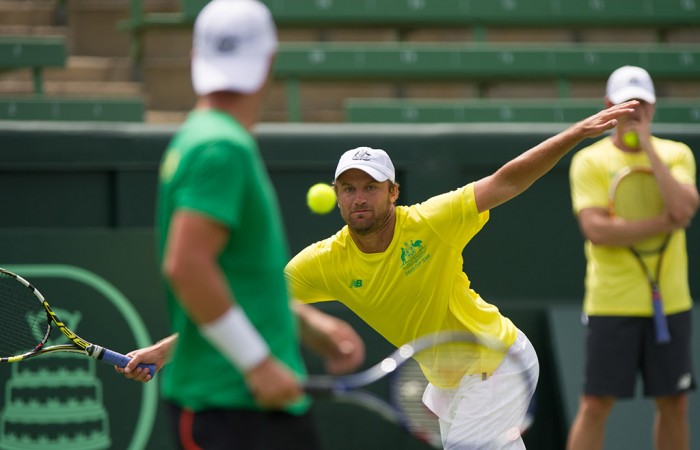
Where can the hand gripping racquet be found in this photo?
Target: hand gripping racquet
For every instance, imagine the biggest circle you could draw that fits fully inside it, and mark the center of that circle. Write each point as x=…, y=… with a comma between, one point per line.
x=635, y=195
x=26, y=322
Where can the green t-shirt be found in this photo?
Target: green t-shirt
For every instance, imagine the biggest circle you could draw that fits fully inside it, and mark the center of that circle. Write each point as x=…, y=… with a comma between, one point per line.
x=213, y=166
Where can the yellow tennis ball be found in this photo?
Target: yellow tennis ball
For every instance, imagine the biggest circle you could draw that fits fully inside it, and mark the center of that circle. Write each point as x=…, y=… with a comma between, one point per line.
x=631, y=139
x=321, y=198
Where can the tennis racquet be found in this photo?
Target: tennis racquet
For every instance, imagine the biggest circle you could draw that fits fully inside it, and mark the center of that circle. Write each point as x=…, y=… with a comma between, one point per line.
x=26, y=322
x=449, y=358
x=635, y=195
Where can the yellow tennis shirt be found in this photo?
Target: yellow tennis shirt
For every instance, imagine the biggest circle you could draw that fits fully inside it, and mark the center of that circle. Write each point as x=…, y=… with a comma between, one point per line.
x=615, y=283
x=417, y=286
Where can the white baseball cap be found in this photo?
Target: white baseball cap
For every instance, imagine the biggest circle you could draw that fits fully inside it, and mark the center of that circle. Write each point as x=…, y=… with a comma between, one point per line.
x=234, y=41
x=628, y=83
x=376, y=163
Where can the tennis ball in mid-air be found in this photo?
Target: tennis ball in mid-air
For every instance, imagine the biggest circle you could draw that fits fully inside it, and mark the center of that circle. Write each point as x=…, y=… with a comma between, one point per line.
x=631, y=139
x=321, y=198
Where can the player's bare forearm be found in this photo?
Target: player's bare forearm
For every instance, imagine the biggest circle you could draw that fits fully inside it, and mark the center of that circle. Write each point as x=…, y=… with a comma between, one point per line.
x=681, y=200
x=158, y=354
x=331, y=338
x=273, y=384
x=191, y=265
x=598, y=227
x=519, y=174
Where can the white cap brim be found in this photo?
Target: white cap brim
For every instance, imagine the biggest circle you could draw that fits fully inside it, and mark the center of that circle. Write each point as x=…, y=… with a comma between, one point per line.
x=632, y=93
x=244, y=74
x=371, y=171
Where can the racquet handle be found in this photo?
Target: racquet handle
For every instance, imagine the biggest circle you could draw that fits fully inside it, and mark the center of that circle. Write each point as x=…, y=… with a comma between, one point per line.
x=119, y=360
x=320, y=386
x=660, y=324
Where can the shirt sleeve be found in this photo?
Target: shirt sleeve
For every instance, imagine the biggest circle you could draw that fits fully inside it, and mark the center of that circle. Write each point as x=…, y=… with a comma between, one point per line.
x=214, y=184
x=454, y=216
x=683, y=167
x=305, y=277
x=589, y=186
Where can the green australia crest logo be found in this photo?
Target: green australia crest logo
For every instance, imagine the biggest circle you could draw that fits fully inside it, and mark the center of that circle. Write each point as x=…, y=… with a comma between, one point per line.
x=413, y=255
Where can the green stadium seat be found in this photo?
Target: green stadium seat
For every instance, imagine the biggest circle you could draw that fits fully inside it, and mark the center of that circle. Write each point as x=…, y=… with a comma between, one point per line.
x=479, y=61
x=422, y=61
x=32, y=52
x=72, y=109
x=502, y=110
x=402, y=13
x=139, y=20
x=462, y=13
x=659, y=14
x=450, y=61
x=39, y=52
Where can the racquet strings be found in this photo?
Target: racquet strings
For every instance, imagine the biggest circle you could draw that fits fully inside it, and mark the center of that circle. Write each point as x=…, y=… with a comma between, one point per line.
x=407, y=393
x=637, y=197
x=444, y=365
x=24, y=323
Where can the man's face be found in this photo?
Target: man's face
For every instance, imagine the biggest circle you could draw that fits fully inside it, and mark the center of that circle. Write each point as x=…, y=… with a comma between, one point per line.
x=639, y=120
x=365, y=204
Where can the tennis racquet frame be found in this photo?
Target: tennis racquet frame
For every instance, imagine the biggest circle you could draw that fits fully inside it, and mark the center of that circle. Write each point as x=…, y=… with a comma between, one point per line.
x=350, y=388
x=77, y=345
x=663, y=335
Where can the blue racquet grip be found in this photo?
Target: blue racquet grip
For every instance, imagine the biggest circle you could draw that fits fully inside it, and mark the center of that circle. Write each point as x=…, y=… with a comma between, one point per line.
x=660, y=325
x=119, y=360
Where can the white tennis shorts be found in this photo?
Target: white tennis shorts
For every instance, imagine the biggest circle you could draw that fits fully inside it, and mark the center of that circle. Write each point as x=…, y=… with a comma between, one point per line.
x=478, y=413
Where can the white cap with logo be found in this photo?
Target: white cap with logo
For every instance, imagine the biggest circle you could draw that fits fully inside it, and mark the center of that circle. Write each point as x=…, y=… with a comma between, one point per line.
x=376, y=163
x=233, y=44
x=628, y=83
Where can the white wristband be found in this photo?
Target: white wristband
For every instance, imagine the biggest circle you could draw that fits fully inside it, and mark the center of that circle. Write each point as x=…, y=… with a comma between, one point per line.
x=236, y=338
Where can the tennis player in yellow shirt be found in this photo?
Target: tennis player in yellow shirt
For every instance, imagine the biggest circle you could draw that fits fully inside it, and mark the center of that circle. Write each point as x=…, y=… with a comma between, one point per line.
x=399, y=268
x=620, y=341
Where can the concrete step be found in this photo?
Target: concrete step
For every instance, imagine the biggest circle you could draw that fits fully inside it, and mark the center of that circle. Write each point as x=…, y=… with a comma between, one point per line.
x=28, y=12
x=167, y=82
x=93, y=28
x=31, y=30
x=91, y=68
x=171, y=43
x=94, y=25
x=81, y=68
x=174, y=117
x=73, y=88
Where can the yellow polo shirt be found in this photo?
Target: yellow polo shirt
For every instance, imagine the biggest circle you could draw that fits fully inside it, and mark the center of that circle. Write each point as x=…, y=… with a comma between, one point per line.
x=417, y=286
x=615, y=283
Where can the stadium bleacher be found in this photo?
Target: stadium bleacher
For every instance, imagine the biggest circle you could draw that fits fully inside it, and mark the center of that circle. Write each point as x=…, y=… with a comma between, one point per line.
x=443, y=61
x=71, y=109
x=445, y=13
x=32, y=52
x=478, y=12
x=340, y=57
x=329, y=44
x=403, y=61
x=507, y=111
x=38, y=54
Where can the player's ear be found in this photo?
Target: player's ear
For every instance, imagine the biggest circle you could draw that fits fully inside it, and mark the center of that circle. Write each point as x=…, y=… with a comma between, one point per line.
x=393, y=191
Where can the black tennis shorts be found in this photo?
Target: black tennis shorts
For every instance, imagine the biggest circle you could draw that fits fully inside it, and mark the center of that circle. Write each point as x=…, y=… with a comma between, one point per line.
x=618, y=348
x=224, y=429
